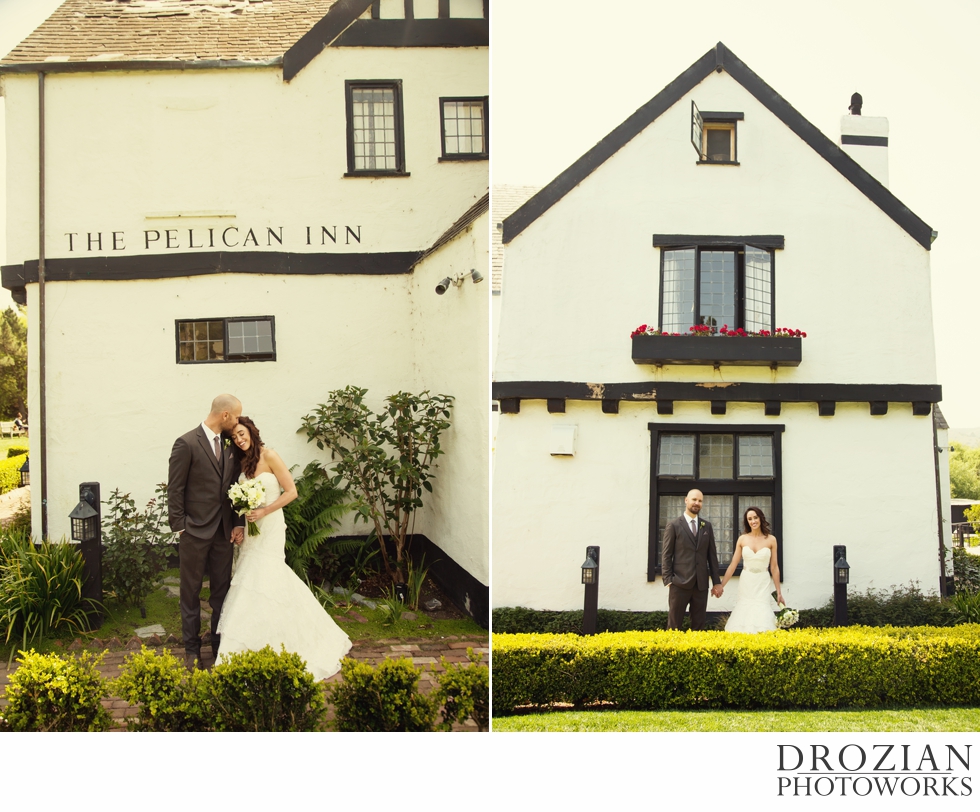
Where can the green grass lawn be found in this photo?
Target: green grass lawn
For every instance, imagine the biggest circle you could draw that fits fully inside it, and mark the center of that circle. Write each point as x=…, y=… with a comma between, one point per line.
x=7, y=442
x=900, y=720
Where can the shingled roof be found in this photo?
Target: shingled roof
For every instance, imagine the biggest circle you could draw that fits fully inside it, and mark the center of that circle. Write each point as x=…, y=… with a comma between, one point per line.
x=170, y=30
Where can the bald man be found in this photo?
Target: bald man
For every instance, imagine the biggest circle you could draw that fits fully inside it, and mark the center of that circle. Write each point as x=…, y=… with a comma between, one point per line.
x=687, y=557
x=202, y=469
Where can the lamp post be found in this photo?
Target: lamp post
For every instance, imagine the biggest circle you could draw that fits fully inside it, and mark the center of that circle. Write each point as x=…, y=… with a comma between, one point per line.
x=25, y=473
x=590, y=577
x=842, y=575
x=86, y=529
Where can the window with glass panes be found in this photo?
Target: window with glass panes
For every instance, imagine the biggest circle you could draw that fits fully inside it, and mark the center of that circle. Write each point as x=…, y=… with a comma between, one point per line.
x=375, y=130
x=716, y=286
x=464, y=128
x=735, y=467
x=227, y=339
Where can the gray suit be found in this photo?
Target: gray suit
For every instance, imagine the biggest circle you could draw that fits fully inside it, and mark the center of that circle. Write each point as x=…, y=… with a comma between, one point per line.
x=685, y=561
x=200, y=510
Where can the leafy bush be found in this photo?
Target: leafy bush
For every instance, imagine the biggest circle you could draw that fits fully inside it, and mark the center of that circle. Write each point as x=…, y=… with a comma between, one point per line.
x=903, y=606
x=40, y=588
x=135, y=546
x=517, y=620
x=382, y=699
x=795, y=668
x=312, y=516
x=251, y=691
x=18, y=451
x=52, y=693
x=158, y=684
x=10, y=472
x=966, y=571
x=464, y=691
x=964, y=607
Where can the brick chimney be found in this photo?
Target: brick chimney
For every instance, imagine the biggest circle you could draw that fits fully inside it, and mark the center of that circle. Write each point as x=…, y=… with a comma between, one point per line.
x=865, y=139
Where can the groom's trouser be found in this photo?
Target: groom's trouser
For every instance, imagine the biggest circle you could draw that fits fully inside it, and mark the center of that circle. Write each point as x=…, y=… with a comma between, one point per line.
x=216, y=555
x=678, y=599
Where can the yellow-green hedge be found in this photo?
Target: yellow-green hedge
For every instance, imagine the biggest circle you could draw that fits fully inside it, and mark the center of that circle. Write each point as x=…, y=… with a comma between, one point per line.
x=10, y=472
x=855, y=666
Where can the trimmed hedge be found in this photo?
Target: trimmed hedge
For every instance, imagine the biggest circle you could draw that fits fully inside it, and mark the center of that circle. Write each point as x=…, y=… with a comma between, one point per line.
x=853, y=667
x=17, y=451
x=10, y=472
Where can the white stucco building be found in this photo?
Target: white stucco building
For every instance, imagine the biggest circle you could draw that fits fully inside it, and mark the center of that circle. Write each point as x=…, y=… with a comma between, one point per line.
x=716, y=203
x=259, y=197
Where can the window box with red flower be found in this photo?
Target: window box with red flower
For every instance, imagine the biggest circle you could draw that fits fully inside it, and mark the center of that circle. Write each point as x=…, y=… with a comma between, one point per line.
x=701, y=345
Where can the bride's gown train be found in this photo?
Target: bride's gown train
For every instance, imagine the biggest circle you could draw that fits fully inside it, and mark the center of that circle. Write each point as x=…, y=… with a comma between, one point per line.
x=753, y=608
x=268, y=604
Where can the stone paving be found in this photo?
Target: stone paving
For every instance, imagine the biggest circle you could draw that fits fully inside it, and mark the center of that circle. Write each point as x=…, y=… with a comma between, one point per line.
x=426, y=654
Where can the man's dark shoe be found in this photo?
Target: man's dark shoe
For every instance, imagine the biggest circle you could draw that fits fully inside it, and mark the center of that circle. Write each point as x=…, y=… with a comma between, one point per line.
x=192, y=659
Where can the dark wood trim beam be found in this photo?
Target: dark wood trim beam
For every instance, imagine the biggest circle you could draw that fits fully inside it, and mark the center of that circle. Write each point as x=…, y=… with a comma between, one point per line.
x=773, y=408
x=924, y=394
x=341, y=15
x=719, y=406
x=922, y=408
x=556, y=405
x=610, y=406
x=879, y=407
x=865, y=140
x=166, y=266
x=826, y=408
x=139, y=65
x=451, y=33
x=718, y=115
x=665, y=407
x=510, y=405
x=777, y=241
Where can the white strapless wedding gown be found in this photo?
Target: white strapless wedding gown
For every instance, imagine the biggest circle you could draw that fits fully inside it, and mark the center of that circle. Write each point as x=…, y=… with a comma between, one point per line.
x=268, y=604
x=753, y=607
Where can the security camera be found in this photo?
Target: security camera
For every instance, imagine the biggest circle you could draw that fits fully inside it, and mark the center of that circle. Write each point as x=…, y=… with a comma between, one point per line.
x=443, y=286
x=476, y=276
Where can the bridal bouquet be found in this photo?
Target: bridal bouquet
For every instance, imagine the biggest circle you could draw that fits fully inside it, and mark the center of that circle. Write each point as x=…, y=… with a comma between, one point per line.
x=785, y=617
x=246, y=496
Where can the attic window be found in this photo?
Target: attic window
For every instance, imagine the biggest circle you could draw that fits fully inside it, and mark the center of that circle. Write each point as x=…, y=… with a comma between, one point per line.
x=714, y=136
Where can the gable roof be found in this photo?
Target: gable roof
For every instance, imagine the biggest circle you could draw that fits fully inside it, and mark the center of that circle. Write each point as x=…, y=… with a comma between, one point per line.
x=101, y=33
x=718, y=58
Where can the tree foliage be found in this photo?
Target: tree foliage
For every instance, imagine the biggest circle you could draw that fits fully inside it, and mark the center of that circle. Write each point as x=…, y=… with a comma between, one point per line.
x=964, y=471
x=13, y=363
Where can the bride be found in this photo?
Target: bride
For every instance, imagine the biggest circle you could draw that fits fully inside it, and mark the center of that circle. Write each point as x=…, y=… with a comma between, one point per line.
x=268, y=604
x=753, y=611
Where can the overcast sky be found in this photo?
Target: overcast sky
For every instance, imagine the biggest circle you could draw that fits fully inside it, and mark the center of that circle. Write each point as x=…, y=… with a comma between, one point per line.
x=566, y=72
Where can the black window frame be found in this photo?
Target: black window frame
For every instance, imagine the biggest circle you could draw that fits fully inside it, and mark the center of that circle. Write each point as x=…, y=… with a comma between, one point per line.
x=376, y=84
x=740, y=286
x=679, y=486
x=238, y=358
x=726, y=120
x=465, y=156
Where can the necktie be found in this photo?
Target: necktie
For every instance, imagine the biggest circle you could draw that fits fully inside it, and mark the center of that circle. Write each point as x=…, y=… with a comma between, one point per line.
x=217, y=449
x=694, y=528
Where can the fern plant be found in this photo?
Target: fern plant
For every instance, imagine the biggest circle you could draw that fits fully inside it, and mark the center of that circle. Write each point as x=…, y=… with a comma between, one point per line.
x=312, y=517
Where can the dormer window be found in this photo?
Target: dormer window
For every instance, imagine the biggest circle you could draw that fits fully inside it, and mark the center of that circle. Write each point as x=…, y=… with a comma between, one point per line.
x=713, y=135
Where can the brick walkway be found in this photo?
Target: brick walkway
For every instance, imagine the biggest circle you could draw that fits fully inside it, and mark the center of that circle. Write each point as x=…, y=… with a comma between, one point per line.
x=424, y=653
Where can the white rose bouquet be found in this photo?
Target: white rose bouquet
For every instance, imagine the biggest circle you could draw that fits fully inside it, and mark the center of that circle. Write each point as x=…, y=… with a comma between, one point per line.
x=246, y=496
x=785, y=617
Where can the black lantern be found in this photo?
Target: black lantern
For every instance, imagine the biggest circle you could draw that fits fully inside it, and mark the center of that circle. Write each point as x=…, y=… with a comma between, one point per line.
x=842, y=574
x=842, y=571
x=590, y=577
x=25, y=473
x=84, y=522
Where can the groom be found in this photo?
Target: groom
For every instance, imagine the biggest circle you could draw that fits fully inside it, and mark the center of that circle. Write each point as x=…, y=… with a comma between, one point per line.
x=202, y=469
x=688, y=553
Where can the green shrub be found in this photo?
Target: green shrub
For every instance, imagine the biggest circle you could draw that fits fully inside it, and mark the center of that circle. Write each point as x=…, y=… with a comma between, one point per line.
x=518, y=620
x=964, y=607
x=52, y=693
x=250, y=691
x=903, y=606
x=464, y=691
x=40, y=589
x=134, y=546
x=382, y=699
x=18, y=451
x=795, y=668
x=159, y=685
x=312, y=517
x=10, y=472
x=966, y=571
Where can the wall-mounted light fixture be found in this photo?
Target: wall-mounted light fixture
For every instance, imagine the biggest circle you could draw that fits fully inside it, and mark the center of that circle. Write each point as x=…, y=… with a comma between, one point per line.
x=458, y=280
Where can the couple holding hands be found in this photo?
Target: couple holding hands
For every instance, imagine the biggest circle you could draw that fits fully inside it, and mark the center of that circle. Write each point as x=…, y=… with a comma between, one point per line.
x=688, y=556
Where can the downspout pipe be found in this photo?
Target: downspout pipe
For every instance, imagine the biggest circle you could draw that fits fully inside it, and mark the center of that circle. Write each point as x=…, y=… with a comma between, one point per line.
x=42, y=359
x=936, y=450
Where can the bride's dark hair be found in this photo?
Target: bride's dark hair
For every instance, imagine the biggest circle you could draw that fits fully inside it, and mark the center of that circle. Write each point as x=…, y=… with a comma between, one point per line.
x=250, y=458
x=763, y=522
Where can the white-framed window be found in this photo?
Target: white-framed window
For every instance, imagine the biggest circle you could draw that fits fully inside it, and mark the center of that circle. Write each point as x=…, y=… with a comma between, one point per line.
x=375, y=128
x=242, y=338
x=714, y=135
x=736, y=467
x=464, y=128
